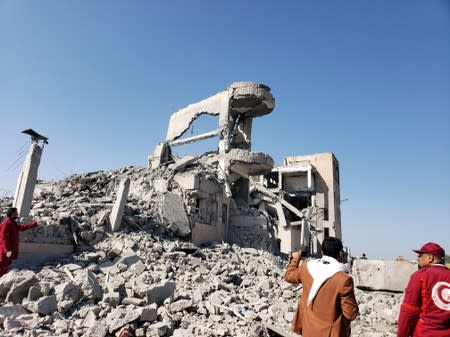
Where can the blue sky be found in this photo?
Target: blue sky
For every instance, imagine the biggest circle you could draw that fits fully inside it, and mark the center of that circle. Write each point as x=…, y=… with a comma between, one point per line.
x=367, y=80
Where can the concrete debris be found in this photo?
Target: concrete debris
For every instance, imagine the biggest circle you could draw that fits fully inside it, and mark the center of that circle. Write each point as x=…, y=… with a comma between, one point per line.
x=183, y=247
x=232, y=195
x=220, y=290
x=173, y=211
x=44, y=305
x=20, y=284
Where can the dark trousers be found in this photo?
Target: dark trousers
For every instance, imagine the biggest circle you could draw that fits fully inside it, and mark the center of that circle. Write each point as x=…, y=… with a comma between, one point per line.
x=4, y=266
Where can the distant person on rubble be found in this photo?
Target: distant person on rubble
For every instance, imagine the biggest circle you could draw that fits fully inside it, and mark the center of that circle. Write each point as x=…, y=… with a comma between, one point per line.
x=425, y=310
x=9, y=238
x=327, y=304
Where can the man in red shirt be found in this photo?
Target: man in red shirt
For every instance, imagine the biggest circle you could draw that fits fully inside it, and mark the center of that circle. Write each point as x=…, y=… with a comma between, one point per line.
x=425, y=311
x=9, y=239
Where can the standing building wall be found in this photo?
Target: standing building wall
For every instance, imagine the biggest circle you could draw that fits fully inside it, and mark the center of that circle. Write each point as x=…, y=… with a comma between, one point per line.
x=322, y=209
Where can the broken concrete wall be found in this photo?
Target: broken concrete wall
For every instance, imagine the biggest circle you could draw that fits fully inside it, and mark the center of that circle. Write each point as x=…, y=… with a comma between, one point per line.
x=299, y=195
x=181, y=120
x=326, y=180
x=382, y=275
x=250, y=229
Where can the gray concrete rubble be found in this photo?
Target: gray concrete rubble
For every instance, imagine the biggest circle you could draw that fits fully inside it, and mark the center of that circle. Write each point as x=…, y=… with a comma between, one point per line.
x=186, y=247
x=232, y=195
x=178, y=290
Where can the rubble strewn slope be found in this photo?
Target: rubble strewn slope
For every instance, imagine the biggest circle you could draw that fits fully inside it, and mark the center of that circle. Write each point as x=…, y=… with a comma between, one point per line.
x=145, y=276
x=164, y=288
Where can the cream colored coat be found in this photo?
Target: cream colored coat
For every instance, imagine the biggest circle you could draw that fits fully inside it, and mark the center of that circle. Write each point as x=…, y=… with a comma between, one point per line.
x=332, y=309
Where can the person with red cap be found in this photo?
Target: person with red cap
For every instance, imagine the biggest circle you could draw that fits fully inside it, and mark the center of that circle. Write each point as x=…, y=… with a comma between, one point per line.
x=425, y=311
x=9, y=239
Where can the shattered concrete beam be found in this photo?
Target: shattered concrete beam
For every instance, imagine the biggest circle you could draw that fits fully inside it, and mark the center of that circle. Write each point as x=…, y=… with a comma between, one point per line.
x=244, y=99
x=182, y=119
x=305, y=234
x=296, y=223
x=286, y=204
x=280, y=213
x=196, y=138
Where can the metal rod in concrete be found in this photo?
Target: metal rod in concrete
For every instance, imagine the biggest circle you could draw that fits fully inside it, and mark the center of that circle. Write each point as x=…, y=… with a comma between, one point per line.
x=193, y=139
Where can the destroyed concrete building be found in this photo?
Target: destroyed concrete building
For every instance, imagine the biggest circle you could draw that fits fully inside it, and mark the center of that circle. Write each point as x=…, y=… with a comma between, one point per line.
x=245, y=199
x=124, y=233
x=230, y=195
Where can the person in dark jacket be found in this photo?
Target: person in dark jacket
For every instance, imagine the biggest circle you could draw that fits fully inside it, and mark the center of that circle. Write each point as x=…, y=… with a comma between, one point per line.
x=425, y=311
x=9, y=238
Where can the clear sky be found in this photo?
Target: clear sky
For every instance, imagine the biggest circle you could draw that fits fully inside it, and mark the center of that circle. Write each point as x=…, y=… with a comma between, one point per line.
x=367, y=80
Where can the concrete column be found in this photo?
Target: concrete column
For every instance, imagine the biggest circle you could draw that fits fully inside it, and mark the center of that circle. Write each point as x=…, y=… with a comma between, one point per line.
x=309, y=178
x=117, y=211
x=224, y=125
x=222, y=174
x=243, y=133
x=27, y=180
x=304, y=238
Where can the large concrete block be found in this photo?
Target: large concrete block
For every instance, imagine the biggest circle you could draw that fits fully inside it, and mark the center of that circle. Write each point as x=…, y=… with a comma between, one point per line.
x=180, y=164
x=117, y=318
x=99, y=329
x=157, y=294
x=45, y=305
x=20, y=286
x=149, y=313
x=14, y=277
x=12, y=310
x=187, y=181
x=117, y=211
x=173, y=211
x=383, y=275
x=32, y=254
x=93, y=284
x=67, y=294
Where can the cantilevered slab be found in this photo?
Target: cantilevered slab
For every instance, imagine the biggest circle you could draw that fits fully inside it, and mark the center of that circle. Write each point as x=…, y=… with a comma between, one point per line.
x=246, y=163
x=248, y=99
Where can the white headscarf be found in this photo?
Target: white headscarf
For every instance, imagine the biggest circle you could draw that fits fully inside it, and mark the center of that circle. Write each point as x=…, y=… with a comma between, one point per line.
x=321, y=270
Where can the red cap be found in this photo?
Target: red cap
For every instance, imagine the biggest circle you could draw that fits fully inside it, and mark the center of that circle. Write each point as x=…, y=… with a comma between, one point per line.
x=431, y=248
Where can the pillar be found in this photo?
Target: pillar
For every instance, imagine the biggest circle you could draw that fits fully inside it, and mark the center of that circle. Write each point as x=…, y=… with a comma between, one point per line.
x=117, y=211
x=27, y=181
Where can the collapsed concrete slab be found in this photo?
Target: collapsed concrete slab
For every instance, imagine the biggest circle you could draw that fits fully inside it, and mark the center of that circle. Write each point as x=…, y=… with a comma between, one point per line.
x=382, y=275
x=173, y=210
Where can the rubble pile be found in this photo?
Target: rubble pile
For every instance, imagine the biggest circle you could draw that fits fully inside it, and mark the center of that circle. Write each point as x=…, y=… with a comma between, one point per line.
x=76, y=210
x=164, y=288
x=149, y=275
